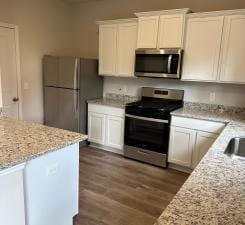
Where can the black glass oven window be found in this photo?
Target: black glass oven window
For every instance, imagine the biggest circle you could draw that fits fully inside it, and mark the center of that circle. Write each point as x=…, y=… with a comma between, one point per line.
x=148, y=135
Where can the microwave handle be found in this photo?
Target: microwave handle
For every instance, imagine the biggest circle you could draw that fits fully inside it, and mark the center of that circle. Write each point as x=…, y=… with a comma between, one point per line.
x=169, y=63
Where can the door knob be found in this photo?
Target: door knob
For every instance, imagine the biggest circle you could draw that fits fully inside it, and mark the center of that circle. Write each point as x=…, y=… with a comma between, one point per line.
x=15, y=99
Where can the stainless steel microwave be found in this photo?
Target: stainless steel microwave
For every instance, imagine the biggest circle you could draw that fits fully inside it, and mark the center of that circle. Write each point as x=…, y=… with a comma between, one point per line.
x=164, y=63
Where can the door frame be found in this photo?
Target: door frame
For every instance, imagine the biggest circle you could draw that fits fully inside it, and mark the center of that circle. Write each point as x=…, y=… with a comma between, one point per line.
x=17, y=51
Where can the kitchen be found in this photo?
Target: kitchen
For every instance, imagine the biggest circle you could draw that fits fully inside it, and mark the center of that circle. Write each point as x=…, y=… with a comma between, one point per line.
x=197, y=114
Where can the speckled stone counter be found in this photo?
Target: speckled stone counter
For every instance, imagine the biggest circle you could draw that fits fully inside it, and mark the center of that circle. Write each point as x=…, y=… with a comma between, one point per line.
x=214, y=194
x=21, y=141
x=114, y=100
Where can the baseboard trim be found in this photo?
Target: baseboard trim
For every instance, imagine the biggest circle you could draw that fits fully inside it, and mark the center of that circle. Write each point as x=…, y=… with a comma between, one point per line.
x=106, y=148
x=179, y=168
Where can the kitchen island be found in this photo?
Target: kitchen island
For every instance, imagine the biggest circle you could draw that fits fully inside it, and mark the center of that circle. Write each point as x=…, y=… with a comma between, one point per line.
x=39, y=171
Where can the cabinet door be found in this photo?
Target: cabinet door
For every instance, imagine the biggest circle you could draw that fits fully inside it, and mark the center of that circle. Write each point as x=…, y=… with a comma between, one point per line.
x=115, y=132
x=204, y=141
x=202, y=48
x=147, y=32
x=96, y=128
x=107, y=49
x=233, y=50
x=12, y=208
x=182, y=142
x=170, y=31
x=127, y=40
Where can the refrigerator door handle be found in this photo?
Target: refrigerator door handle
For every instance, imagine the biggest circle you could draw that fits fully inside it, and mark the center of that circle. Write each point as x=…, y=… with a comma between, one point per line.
x=76, y=103
x=76, y=74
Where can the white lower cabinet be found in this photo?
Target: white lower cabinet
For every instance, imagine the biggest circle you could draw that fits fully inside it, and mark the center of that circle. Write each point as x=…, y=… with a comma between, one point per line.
x=96, y=127
x=204, y=141
x=190, y=139
x=12, y=207
x=115, y=131
x=182, y=142
x=106, y=126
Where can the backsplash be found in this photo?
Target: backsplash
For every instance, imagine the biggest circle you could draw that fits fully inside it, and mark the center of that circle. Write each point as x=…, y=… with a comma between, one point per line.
x=224, y=94
x=121, y=97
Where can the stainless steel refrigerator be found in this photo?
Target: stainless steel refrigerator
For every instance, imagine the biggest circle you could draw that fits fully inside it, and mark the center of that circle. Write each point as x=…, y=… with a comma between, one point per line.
x=68, y=83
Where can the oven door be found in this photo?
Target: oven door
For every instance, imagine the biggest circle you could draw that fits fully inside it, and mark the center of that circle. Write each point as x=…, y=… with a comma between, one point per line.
x=158, y=63
x=147, y=133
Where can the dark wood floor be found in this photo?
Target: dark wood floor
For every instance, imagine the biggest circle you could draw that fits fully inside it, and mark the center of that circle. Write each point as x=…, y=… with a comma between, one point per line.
x=119, y=191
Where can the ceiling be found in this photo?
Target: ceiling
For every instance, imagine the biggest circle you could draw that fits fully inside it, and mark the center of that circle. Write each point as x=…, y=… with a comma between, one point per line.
x=79, y=1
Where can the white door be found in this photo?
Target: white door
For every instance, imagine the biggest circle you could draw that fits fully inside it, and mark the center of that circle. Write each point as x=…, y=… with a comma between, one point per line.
x=171, y=31
x=127, y=41
x=233, y=50
x=12, y=207
x=108, y=49
x=182, y=143
x=8, y=70
x=202, y=48
x=148, y=32
x=115, y=132
x=96, y=127
x=204, y=141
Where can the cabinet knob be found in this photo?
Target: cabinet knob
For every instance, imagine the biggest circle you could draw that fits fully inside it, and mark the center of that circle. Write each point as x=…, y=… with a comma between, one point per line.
x=15, y=99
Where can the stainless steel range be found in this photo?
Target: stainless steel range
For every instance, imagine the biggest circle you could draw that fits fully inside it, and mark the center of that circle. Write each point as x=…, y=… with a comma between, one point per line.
x=147, y=125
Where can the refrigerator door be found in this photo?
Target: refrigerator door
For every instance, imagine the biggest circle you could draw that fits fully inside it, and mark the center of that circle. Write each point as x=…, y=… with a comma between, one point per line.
x=62, y=108
x=61, y=72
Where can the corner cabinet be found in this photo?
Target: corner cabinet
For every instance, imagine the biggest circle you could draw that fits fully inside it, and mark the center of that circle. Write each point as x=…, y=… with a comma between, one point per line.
x=161, y=29
x=106, y=127
x=190, y=139
x=233, y=50
x=202, y=47
x=117, y=44
x=214, y=47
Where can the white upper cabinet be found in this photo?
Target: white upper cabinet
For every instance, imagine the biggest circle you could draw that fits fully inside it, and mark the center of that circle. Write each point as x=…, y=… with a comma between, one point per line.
x=127, y=40
x=202, y=48
x=117, y=44
x=171, y=31
x=147, y=32
x=161, y=29
x=107, y=49
x=233, y=50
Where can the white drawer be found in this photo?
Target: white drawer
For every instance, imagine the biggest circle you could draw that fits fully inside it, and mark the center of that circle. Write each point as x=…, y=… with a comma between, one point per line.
x=196, y=124
x=108, y=110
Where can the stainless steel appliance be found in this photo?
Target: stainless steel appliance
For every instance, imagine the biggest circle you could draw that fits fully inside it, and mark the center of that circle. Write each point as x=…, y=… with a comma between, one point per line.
x=68, y=83
x=164, y=63
x=147, y=125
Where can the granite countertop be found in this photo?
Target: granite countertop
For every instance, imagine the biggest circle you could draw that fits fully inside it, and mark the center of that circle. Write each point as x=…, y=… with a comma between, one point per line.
x=214, y=194
x=21, y=141
x=114, y=100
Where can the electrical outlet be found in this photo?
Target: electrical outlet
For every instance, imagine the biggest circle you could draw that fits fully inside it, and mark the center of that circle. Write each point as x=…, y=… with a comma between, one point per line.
x=52, y=169
x=125, y=90
x=212, y=96
x=26, y=86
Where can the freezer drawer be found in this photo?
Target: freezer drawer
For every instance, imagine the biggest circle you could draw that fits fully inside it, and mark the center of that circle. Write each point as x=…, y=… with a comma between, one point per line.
x=61, y=108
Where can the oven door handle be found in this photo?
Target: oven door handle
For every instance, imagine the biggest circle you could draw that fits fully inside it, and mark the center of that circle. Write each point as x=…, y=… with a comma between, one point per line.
x=147, y=119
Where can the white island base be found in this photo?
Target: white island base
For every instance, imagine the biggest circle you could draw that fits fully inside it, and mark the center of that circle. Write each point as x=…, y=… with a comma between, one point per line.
x=42, y=191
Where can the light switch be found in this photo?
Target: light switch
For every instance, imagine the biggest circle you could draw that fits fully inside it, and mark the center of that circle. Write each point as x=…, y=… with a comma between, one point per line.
x=212, y=96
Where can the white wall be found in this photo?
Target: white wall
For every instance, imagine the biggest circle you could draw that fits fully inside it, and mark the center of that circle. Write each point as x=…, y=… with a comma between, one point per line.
x=226, y=94
x=45, y=27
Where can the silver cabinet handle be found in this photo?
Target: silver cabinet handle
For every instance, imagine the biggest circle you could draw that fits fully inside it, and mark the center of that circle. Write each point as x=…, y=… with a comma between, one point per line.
x=146, y=119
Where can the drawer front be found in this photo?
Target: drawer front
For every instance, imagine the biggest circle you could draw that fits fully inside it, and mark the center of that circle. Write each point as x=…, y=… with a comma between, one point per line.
x=107, y=110
x=196, y=124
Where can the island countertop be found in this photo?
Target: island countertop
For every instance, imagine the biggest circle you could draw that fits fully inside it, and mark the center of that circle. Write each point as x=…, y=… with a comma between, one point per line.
x=21, y=141
x=214, y=194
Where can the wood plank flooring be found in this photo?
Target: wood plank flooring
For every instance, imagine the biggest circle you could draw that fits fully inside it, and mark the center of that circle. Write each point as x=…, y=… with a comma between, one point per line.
x=119, y=191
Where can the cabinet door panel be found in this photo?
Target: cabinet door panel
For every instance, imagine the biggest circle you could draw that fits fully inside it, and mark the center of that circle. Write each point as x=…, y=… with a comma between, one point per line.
x=108, y=49
x=115, y=132
x=204, y=141
x=96, y=128
x=147, y=32
x=233, y=50
x=182, y=143
x=127, y=40
x=170, y=31
x=202, y=48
